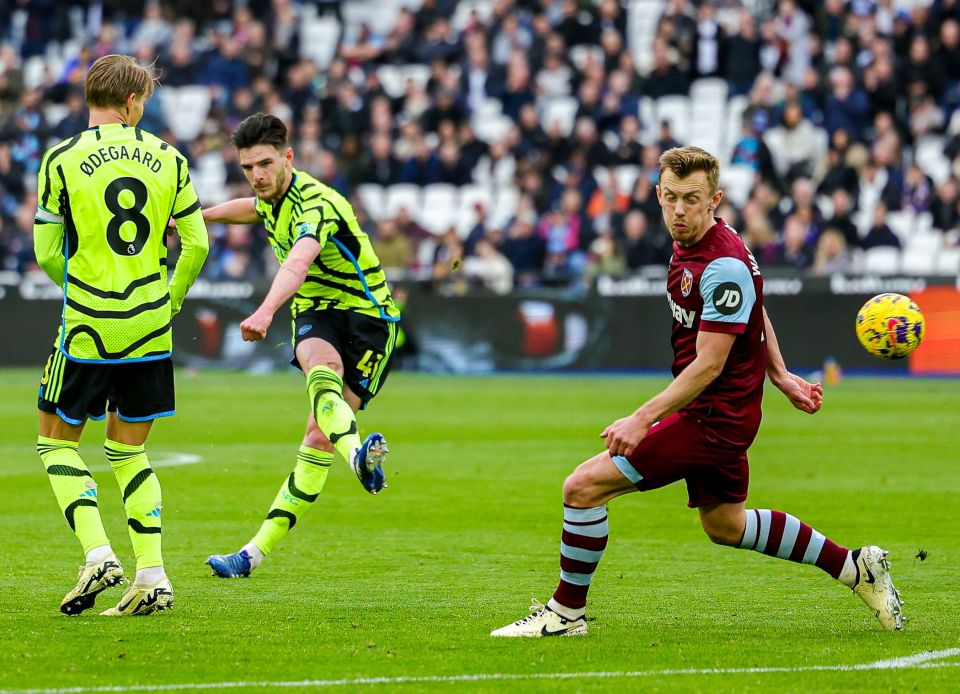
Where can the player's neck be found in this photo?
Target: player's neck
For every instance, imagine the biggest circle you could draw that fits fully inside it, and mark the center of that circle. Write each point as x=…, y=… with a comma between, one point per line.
x=100, y=116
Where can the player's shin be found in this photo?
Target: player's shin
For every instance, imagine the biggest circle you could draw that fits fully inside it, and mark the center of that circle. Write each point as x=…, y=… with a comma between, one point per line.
x=334, y=416
x=778, y=534
x=75, y=490
x=296, y=496
x=142, y=501
x=581, y=547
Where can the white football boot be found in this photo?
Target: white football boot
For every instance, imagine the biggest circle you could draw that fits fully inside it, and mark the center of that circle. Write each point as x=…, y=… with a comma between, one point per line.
x=143, y=600
x=875, y=587
x=92, y=579
x=542, y=621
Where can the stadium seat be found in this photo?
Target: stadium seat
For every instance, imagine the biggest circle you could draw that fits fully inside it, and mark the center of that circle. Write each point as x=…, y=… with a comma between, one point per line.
x=928, y=155
x=711, y=90
x=318, y=40
x=948, y=262
x=505, y=203
x=918, y=262
x=420, y=74
x=491, y=129
x=374, y=200
x=881, y=261
x=461, y=15
x=559, y=109
x=676, y=110
x=737, y=180
x=626, y=176
x=901, y=222
x=185, y=109
x=580, y=54
x=391, y=78
x=438, y=208
x=925, y=241
x=649, y=128
x=470, y=195
x=404, y=195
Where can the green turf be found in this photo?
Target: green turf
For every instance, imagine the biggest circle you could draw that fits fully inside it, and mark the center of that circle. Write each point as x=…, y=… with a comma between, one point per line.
x=409, y=583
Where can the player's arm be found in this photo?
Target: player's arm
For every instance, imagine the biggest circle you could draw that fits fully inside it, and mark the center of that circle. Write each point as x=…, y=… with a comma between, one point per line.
x=194, y=241
x=48, y=244
x=289, y=277
x=48, y=223
x=805, y=396
x=237, y=211
x=623, y=436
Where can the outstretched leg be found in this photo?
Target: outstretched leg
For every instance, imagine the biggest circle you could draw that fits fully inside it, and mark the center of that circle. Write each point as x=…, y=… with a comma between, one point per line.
x=781, y=535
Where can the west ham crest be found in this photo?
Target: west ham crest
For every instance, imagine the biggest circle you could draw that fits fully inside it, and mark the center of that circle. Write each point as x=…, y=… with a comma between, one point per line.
x=686, y=282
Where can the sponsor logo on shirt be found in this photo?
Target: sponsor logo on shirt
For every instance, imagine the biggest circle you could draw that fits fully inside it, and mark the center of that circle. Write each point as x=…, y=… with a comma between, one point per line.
x=684, y=317
x=727, y=298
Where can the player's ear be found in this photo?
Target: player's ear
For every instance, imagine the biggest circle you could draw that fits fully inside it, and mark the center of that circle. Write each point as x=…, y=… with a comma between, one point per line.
x=715, y=202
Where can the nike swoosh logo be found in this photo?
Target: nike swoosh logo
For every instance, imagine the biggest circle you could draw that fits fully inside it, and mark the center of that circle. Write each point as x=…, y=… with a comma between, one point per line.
x=870, y=578
x=558, y=632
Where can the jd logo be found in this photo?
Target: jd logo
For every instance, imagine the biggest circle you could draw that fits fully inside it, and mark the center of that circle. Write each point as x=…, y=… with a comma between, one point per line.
x=727, y=298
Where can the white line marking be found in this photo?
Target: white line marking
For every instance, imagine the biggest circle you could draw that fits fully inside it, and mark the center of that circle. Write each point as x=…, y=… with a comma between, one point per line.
x=925, y=660
x=161, y=459
x=157, y=459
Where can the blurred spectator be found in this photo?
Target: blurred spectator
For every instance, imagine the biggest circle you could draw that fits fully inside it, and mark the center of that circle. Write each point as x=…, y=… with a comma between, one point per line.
x=393, y=248
x=447, y=256
x=640, y=247
x=750, y=149
x=665, y=77
x=831, y=256
x=525, y=249
x=944, y=208
x=847, y=106
x=880, y=234
x=740, y=55
x=490, y=267
x=917, y=190
x=842, y=220
x=604, y=260
x=381, y=166
x=793, y=251
x=798, y=147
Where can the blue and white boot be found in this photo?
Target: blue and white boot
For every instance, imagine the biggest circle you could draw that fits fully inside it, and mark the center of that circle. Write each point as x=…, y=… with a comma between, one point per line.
x=367, y=463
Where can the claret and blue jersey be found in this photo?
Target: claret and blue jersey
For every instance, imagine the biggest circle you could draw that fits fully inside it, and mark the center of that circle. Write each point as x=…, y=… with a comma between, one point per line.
x=716, y=286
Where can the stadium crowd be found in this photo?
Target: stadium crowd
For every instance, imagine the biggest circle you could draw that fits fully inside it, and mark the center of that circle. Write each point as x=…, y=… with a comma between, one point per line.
x=514, y=143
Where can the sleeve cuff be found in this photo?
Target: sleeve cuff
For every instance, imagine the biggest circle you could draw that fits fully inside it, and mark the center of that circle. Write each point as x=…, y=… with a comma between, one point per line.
x=714, y=326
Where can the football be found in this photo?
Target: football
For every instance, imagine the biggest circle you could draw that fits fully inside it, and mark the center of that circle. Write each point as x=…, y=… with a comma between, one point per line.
x=890, y=326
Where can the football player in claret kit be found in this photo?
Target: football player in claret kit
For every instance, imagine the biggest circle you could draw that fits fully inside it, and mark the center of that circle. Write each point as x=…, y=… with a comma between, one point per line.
x=344, y=323
x=699, y=428
x=104, y=199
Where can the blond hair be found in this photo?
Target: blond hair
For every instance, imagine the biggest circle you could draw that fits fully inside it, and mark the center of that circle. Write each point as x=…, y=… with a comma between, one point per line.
x=683, y=161
x=113, y=78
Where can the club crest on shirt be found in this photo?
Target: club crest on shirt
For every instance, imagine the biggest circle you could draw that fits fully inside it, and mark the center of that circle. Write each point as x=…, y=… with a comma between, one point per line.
x=686, y=282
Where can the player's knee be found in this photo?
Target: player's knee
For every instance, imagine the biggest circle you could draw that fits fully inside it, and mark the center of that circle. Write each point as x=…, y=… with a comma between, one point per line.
x=577, y=490
x=723, y=533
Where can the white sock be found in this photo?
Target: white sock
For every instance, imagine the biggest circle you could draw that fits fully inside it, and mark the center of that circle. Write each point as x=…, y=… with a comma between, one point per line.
x=568, y=613
x=256, y=554
x=147, y=577
x=849, y=572
x=98, y=554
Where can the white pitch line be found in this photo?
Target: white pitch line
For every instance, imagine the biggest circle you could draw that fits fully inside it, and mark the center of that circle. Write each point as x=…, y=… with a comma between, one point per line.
x=157, y=459
x=924, y=660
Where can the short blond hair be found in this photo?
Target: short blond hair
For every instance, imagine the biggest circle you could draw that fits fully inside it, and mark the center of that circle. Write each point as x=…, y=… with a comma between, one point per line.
x=113, y=78
x=683, y=161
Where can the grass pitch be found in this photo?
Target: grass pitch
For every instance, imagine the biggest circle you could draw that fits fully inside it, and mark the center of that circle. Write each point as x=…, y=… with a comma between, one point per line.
x=406, y=586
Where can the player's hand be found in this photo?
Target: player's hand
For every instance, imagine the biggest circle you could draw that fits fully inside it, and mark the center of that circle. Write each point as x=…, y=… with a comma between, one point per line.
x=625, y=434
x=805, y=396
x=255, y=327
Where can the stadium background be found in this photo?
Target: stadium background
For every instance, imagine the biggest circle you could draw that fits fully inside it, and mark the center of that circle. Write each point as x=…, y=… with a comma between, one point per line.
x=502, y=155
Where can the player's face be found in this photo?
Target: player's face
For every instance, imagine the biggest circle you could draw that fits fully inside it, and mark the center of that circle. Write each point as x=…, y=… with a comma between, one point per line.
x=268, y=170
x=687, y=205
